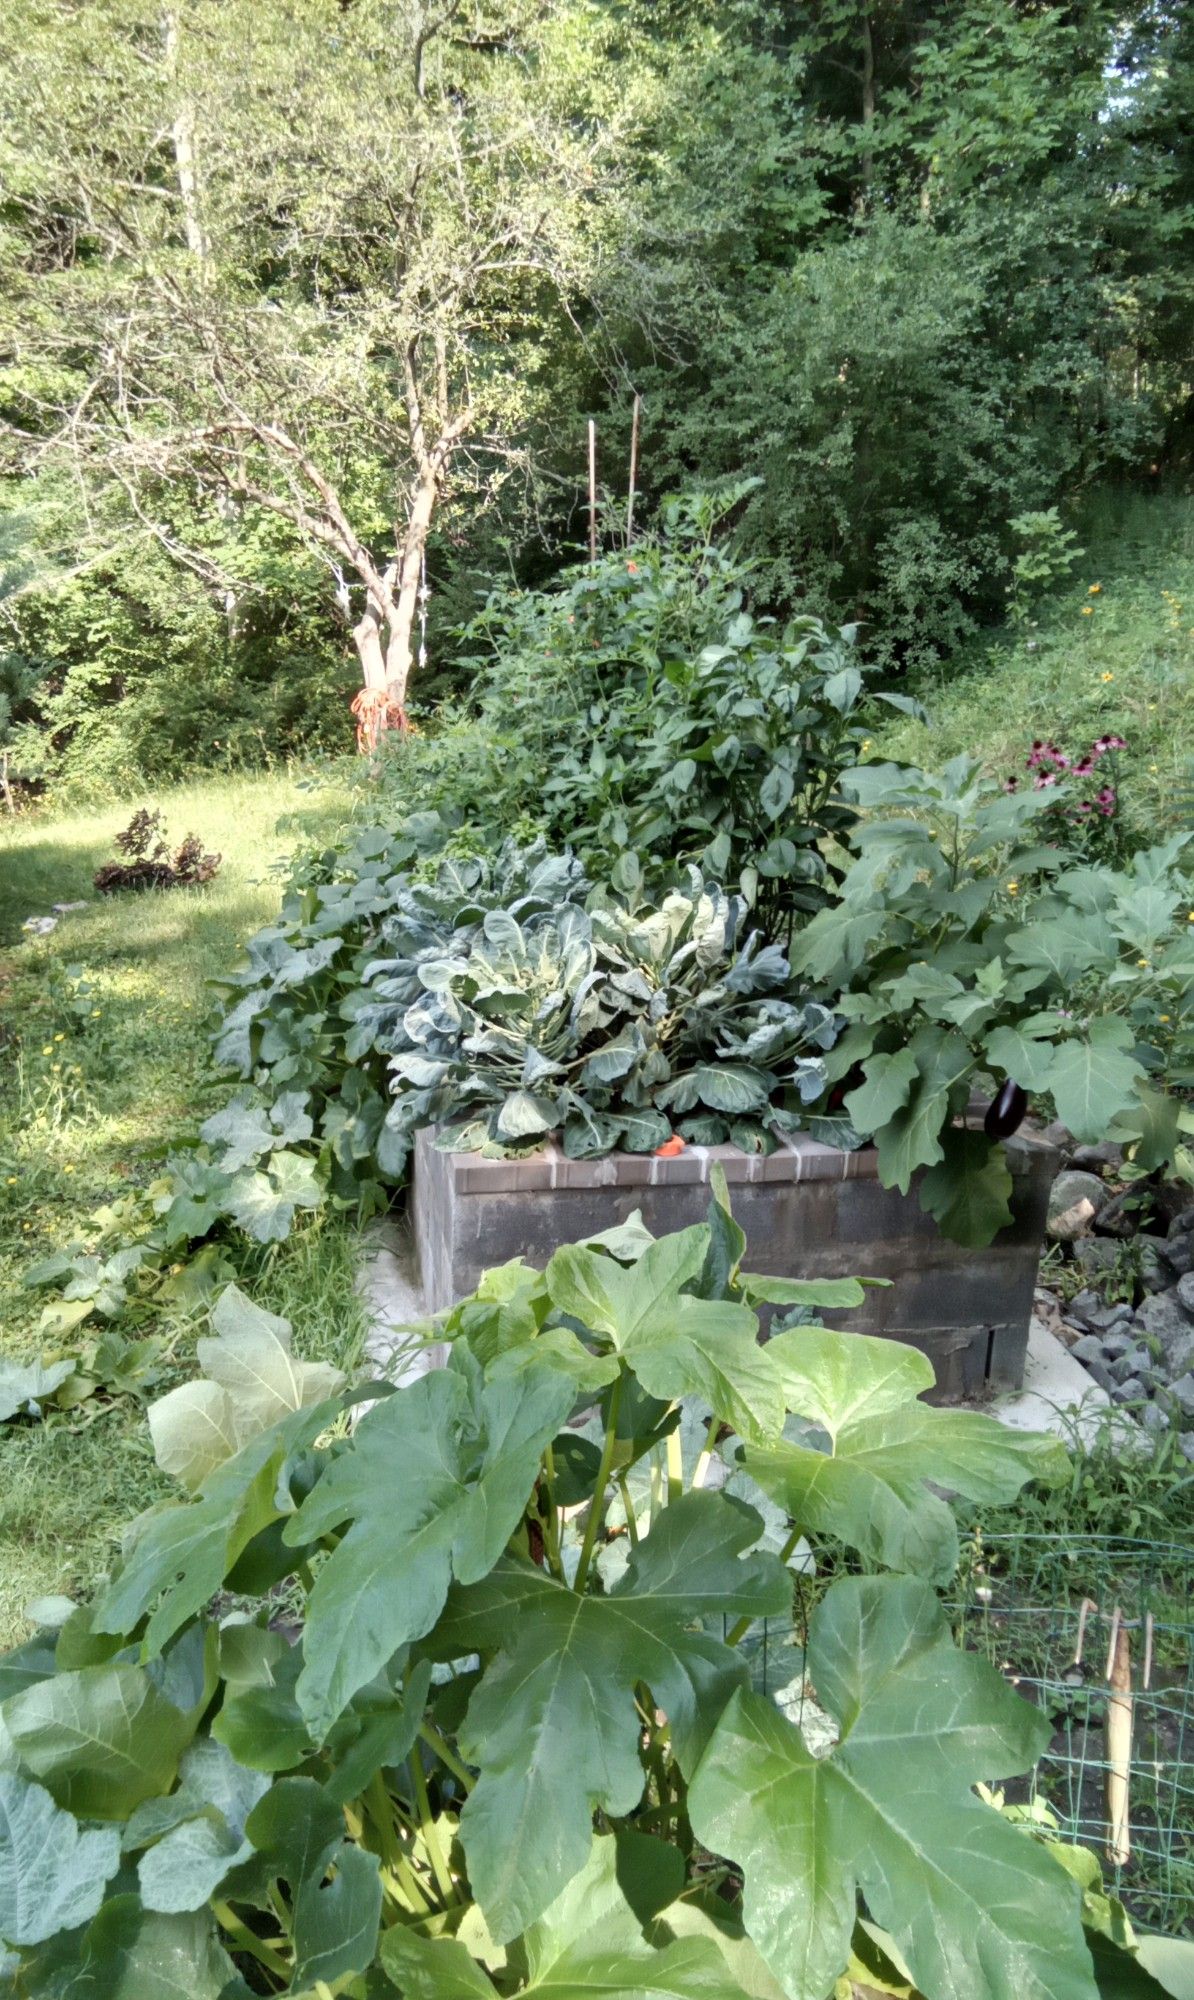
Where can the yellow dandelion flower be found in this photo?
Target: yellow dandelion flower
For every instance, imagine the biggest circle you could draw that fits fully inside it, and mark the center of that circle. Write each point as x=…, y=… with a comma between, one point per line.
x=95, y=1013
x=1153, y=769
x=68, y=1169
x=12, y=1180
x=1013, y=888
x=1106, y=677
x=1095, y=589
x=1088, y=611
x=48, y=1049
x=1143, y=963
x=1163, y=1018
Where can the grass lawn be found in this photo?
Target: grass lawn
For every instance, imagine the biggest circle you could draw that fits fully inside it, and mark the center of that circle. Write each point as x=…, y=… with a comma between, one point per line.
x=1111, y=651
x=87, y=1104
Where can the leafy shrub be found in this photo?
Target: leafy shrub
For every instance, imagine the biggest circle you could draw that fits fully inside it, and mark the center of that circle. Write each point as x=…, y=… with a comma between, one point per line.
x=524, y=1705
x=956, y=952
x=150, y=864
x=638, y=712
x=608, y=1024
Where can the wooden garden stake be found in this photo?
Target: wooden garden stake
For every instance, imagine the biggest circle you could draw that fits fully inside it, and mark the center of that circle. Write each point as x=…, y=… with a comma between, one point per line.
x=1118, y=1734
x=638, y=404
x=592, y=492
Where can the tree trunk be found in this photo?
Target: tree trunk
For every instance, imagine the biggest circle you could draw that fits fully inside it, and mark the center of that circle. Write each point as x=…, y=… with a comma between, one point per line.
x=183, y=135
x=399, y=655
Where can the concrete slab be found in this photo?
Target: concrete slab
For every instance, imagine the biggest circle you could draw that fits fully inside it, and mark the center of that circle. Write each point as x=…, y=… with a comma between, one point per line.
x=397, y=1346
x=1058, y=1395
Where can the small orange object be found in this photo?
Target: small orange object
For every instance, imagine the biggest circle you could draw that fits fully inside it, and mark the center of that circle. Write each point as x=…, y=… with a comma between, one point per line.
x=376, y=709
x=670, y=1147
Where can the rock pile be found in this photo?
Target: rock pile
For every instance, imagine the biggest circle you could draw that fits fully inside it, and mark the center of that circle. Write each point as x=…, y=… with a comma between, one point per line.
x=1124, y=1296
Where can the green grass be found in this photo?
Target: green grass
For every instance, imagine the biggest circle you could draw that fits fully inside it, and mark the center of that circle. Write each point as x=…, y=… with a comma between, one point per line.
x=86, y=1107
x=1127, y=668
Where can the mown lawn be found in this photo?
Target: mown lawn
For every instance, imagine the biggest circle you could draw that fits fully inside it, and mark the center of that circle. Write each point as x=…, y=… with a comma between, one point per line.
x=87, y=1104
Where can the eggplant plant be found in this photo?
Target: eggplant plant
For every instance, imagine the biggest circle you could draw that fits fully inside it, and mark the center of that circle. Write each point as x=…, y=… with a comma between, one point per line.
x=963, y=952
x=455, y=1689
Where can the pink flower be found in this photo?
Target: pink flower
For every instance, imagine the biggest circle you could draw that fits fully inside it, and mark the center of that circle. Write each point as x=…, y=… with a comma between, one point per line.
x=1011, y=784
x=1083, y=767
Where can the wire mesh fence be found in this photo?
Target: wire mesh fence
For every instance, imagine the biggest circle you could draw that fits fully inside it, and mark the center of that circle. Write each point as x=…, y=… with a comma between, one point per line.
x=1098, y=1632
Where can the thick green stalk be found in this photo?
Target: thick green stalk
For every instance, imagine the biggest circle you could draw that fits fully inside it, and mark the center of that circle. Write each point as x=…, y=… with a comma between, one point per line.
x=447, y=1756
x=246, y=1940
x=596, y=1508
x=430, y=1831
x=744, y=1624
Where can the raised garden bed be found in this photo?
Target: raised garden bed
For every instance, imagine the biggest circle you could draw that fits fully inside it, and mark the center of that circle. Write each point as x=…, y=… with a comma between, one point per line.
x=809, y=1211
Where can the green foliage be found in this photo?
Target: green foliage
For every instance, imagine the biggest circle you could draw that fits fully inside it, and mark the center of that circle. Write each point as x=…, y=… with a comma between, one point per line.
x=493, y=1759
x=957, y=952
x=605, y=1024
x=1047, y=551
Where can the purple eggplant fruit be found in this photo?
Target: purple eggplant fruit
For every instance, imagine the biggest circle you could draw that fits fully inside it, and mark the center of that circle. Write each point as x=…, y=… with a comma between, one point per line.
x=1006, y=1113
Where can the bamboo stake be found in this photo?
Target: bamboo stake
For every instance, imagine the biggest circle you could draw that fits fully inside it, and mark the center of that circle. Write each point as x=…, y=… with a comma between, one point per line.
x=638, y=404
x=1118, y=1732
x=592, y=492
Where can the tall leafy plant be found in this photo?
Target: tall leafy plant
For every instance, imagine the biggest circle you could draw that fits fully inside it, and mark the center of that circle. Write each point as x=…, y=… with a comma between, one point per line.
x=961, y=953
x=517, y=1735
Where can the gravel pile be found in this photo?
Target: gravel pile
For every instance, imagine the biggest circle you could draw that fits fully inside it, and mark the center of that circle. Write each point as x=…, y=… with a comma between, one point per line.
x=1125, y=1303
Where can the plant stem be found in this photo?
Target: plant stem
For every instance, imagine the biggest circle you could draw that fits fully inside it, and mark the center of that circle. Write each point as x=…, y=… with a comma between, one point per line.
x=596, y=1507
x=551, y=1535
x=381, y=1813
x=247, y=1940
x=447, y=1756
x=430, y=1831
x=675, y=1466
x=744, y=1624
x=628, y=1505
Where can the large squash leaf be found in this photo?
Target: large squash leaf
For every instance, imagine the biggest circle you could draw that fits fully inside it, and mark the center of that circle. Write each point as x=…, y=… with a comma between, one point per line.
x=433, y=1484
x=52, y=1875
x=973, y=1903
x=589, y=1941
x=675, y=1344
x=861, y=1470
x=102, y=1738
x=553, y=1725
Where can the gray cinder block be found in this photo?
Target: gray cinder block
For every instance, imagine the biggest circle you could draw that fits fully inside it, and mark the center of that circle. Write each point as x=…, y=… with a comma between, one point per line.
x=808, y=1210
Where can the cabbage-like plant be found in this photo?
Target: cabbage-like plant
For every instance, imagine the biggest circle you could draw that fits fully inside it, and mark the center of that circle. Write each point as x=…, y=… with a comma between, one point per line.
x=613, y=1025
x=469, y=1698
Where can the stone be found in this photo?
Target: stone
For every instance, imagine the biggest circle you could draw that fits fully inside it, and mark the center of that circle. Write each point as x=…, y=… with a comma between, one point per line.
x=1105, y=1154
x=1069, y=1190
x=1179, y=1255
x=1186, y=1444
x=1117, y=1344
x=1182, y=1392
x=1120, y=1215
x=1154, y=1419
x=1099, y=1372
x=1096, y=1254
x=1058, y=1135
x=1131, y=1391
x=1185, y=1294
x=1133, y=1362
x=1156, y=1272
x=1182, y=1224
x=1084, y=1303
x=1089, y=1348
x=1162, y=1316
x=1179, y=1354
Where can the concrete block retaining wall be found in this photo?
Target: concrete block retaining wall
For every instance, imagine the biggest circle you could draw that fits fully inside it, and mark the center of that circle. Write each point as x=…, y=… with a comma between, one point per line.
x=808, y=1210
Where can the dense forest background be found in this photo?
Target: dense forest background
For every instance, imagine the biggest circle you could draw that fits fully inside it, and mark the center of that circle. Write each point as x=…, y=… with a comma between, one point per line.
x=306, y=308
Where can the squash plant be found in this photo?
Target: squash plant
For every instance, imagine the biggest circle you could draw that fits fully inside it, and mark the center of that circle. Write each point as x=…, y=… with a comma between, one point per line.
x=453, y=1689
x=960, y=952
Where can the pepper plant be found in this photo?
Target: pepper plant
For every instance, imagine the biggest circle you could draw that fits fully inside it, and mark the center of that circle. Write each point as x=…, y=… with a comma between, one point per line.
x=455, y=1688
x=961, y=952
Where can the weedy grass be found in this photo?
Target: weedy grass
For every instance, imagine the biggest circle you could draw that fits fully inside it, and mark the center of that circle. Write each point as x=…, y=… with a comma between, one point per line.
x=1111, y=651
x=103, y=1066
